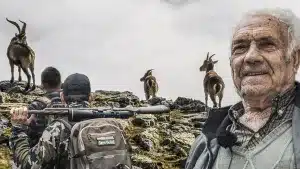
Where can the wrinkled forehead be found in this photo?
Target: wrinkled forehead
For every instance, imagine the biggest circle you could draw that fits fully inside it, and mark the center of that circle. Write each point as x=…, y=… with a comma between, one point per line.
x=260, y=26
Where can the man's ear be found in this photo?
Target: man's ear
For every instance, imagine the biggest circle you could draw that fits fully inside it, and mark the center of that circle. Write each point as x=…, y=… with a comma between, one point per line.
x=62, y=97
x=90, y=97
x=45, y=86
x=296, y=57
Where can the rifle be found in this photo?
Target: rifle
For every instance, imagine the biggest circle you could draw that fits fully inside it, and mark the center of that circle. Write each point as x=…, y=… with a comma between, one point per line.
x=78, y=114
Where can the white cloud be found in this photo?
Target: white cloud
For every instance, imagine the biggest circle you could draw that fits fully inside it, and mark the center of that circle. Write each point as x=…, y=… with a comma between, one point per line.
x=115, y=41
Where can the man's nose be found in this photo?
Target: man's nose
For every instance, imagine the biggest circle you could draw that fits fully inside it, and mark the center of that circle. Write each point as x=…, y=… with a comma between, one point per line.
x=253, y=55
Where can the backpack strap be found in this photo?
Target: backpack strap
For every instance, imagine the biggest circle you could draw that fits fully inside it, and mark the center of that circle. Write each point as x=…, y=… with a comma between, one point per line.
x=69, y=127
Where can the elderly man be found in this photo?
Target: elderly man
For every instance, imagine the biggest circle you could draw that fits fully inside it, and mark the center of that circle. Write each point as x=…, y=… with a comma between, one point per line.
x=263, y=130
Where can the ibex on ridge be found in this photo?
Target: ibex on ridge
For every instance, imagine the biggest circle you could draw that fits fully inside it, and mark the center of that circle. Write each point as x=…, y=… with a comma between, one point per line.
x=150, y=84
x=213, y=83
x=21, y=55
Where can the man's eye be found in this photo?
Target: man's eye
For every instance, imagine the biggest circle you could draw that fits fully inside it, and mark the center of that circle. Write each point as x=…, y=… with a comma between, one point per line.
x=268, y=46
x=239, y=49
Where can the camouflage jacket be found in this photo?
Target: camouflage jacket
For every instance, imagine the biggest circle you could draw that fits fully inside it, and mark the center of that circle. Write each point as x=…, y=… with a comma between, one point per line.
x=51, y=151
x=36, y=128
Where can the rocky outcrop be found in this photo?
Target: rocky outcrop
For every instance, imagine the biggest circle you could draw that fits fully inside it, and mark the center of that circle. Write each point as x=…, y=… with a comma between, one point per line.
x=157, y=141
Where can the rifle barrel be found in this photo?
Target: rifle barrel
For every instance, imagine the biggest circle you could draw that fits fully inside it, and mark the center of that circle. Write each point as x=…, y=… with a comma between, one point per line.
x=49, y=112
x=153, y=109
x=99, y=112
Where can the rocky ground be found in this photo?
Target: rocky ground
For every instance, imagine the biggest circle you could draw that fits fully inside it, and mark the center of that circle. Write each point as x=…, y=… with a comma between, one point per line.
x=158, y=141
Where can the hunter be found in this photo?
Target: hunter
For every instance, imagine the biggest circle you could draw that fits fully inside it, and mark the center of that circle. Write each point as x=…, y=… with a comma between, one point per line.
x=51, y=82
x=51, y=150
x=261, y=131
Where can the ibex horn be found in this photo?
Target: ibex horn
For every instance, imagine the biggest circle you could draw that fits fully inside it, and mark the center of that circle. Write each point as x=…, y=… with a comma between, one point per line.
x=207, y=55
x=14, y=23
x=23, y=27
x=211, y=56
x=149, y=71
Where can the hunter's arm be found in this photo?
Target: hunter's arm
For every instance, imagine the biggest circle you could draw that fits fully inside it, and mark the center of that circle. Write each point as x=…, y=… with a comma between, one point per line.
x=43, y=153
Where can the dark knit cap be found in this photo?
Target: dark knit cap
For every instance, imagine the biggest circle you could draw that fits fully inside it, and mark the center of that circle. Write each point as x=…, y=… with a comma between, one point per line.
x=76, y=85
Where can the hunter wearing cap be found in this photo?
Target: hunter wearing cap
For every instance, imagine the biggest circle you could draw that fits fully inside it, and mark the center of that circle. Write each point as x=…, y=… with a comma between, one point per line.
x=51, y=149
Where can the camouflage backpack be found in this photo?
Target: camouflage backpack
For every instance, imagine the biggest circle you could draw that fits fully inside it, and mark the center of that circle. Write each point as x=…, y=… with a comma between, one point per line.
x=98, y=144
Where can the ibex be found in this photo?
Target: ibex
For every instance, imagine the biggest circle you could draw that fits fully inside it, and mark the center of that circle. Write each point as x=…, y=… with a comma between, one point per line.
x=213, y=83
x=150, y=84
x=21, y=55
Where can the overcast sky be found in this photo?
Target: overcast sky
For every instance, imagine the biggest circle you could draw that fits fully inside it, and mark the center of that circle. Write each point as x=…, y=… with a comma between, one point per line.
x=115, y=41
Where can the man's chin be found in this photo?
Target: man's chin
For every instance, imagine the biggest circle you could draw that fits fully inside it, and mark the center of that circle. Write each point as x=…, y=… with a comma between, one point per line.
x=254, y=91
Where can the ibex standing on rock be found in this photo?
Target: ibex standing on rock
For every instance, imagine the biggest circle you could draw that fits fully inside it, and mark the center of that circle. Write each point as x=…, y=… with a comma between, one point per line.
x=150, y=84
x=21, y=55
x=213, y=83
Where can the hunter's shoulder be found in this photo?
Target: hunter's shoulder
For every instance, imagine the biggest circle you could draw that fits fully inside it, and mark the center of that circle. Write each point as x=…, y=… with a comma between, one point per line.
x=43, y=99
x=39, y=103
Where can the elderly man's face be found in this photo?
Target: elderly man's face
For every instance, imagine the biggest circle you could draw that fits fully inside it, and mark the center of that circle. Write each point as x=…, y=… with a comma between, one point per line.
x=258, y=58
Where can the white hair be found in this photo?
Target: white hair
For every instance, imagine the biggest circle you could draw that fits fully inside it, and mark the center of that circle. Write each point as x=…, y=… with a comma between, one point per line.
x=287, y=17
